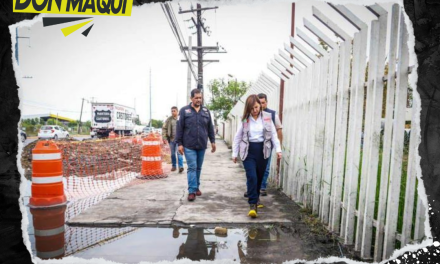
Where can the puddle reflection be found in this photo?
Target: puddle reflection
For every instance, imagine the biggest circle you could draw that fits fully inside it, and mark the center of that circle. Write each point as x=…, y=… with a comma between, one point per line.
x=52, y=238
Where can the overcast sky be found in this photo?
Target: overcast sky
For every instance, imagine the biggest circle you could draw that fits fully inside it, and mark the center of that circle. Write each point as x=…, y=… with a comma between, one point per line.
x=112, y=64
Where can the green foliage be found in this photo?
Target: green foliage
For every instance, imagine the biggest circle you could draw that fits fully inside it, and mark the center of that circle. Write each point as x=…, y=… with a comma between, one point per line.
x=137, y=121
x=156, y=123
x=51, y=121
x=73, y=124
x=225, y=95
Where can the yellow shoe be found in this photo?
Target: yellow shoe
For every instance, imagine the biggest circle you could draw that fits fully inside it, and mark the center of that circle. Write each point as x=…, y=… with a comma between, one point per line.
x=253, y=212
x=260, y=205
x=252, y=234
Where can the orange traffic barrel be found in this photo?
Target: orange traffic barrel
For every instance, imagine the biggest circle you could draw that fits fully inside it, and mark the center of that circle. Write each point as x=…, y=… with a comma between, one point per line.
x=151, y=157
x=112, y=135
x=49, y=232
x=47, y=176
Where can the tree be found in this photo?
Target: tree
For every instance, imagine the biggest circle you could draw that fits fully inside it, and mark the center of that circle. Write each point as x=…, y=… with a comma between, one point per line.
x=137, y=121
x=73, y=124
x=225, y=95
x=156, y=123
x=51, y=121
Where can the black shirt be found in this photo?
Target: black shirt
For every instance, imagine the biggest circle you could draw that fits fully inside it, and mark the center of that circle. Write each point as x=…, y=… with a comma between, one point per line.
x=194, y=128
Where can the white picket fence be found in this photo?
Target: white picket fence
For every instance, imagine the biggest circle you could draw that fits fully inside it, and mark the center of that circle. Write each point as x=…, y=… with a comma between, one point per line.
x=346, y=152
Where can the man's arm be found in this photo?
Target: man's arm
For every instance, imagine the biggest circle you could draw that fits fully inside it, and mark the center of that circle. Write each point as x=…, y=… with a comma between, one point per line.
x=211, y=133
x=179, y=127
x=165, y=129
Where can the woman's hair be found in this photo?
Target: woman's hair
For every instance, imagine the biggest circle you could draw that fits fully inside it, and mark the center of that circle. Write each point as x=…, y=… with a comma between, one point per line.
x=250, y=102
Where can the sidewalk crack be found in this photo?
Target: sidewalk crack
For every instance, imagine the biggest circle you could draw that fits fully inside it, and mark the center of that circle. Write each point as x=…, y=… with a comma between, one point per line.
x=181, y=203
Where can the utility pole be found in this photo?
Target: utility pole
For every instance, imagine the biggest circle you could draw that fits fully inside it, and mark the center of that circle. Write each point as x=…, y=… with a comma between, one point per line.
x=201, y=50
x=189, y=71
x=16, y=44
x=80, y=116
x=151, y=118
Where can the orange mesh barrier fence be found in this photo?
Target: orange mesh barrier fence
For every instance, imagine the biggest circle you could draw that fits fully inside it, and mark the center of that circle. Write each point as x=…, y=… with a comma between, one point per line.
x=94, y=167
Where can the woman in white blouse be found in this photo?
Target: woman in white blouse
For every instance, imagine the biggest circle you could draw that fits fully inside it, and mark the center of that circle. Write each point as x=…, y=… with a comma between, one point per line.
x=253, y=143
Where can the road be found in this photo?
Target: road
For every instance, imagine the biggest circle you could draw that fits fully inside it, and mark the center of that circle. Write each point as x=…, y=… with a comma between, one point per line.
x=32, y=139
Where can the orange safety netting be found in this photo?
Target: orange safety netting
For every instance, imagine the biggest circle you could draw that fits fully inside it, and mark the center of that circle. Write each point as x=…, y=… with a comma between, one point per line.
x=94, y=167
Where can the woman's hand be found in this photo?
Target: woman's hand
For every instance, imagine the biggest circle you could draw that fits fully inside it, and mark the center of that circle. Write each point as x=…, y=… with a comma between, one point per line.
x=279, y=155
x=234, y=160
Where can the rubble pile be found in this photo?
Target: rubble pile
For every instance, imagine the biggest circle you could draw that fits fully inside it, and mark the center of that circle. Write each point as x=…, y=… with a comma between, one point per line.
x=100, y=157
x=95, y=157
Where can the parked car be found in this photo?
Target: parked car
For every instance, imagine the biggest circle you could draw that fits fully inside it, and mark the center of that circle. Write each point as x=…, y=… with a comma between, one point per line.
x=92, y=133
x=147, y=130
x=53, y=132
x=137, y=130
x=23, y=136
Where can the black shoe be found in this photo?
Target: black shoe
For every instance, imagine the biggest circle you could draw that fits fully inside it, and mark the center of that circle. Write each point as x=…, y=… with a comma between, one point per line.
x=245, y=194
x=180, y=170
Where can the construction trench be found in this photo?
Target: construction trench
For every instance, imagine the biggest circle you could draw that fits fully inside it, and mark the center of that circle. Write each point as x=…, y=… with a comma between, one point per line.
x=109, y=206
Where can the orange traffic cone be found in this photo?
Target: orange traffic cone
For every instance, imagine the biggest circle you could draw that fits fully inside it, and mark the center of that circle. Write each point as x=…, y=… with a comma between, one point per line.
x=47, y=176
x=49, y=232
x=151, y=157
x=112, y=135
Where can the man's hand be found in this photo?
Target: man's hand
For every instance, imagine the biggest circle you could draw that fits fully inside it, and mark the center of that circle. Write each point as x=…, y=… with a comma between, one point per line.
x=234, y=160
x=181, y=150
x=279, y=155
x=213, y=147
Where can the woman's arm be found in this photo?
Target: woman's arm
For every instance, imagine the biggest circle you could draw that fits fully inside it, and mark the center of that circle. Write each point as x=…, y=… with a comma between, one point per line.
x=236, y=143
x=275, y=140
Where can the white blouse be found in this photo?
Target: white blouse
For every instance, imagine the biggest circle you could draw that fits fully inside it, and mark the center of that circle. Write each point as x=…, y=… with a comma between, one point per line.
x=256, y=128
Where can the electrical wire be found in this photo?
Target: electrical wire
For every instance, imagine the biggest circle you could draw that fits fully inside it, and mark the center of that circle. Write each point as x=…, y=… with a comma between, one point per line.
x=169, y=13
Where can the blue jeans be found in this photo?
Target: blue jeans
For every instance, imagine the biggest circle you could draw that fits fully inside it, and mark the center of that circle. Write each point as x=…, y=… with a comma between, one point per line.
x=194, y=160
x=266, y=173
x=173, y=147
x=255, y=166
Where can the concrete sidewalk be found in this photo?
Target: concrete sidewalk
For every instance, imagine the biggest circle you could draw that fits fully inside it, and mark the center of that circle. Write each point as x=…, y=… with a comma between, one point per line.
x=164, y=201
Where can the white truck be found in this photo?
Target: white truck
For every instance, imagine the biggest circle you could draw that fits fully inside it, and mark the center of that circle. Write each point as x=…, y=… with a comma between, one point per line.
x=107, y=117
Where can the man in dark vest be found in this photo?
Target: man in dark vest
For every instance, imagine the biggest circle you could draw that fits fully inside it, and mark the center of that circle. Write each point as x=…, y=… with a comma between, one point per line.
x=279, y=127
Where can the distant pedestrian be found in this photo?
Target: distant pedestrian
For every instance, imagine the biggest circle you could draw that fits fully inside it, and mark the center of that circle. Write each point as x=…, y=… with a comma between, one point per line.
x=253, y=144
x=169, y=135
x=194, y=128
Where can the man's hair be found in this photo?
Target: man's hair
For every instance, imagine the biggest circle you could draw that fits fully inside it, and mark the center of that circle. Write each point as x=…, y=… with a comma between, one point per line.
x=174, y=107
x=194, y=92
x=262, y=95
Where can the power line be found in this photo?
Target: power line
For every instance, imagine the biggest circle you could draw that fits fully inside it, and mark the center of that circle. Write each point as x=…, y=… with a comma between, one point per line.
x=48, y=107
x=169, y=13
x=199, y=48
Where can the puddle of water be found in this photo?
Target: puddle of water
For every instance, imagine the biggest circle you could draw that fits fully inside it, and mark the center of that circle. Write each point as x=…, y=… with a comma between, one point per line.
x=50, y=237
x=259, y=245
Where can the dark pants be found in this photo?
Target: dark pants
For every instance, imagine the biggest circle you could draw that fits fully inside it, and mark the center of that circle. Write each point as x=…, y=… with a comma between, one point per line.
x=255, y=166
